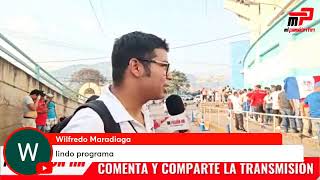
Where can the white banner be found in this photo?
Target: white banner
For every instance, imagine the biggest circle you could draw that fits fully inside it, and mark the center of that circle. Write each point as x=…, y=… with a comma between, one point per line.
x=179, y=153
x=75, y=159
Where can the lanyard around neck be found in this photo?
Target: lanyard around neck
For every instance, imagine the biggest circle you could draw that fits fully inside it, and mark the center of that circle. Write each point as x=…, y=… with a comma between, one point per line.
x=133, y=127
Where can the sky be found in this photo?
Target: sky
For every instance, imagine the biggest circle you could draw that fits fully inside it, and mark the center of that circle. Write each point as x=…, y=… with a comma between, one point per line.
x=65, y=30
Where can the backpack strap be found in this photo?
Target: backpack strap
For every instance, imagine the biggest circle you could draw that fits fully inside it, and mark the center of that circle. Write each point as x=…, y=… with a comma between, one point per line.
x=110, y=126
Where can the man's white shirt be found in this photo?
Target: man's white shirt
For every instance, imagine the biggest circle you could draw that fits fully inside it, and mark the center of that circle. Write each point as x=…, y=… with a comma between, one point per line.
x=237, y=108
x=88, y=121
x=275, y=100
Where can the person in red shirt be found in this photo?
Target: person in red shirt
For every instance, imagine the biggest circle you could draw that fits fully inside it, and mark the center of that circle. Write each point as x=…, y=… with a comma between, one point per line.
x=249, y=108
x=42, y=113
x=256, y=98
x=249, y=94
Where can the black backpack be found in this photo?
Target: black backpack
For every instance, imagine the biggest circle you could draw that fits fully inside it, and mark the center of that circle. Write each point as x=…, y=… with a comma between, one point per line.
x=110, y=126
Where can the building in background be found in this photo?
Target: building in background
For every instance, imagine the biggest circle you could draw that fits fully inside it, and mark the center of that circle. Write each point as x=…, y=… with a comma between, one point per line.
x=259, y=15
x=238, y=51
x=275, y=54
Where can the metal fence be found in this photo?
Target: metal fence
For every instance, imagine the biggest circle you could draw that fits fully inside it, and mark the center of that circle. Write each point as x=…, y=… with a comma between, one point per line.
x=222, y=117
x=16, y=56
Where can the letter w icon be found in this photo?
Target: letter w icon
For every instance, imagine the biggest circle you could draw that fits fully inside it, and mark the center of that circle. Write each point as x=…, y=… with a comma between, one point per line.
x=26, y=150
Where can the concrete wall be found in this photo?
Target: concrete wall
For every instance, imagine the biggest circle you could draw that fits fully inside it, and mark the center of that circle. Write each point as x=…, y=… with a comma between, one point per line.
x=297, y=58
x=14, y=85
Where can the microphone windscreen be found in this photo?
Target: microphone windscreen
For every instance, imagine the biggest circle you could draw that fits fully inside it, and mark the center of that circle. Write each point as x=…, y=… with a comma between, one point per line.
x=174, y=105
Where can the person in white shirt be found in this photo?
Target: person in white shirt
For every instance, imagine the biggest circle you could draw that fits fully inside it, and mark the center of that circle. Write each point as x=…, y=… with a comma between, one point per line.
x=140, y=72
x=244, y=100
x=30, y=105
x=275, y=104
x=237, y=109
x=267, y=105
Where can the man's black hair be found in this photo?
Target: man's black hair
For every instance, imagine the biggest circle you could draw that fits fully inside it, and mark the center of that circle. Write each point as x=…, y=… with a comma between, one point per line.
x=134, y=45
x=278, y=87
x=41, y=93
x=35, y=92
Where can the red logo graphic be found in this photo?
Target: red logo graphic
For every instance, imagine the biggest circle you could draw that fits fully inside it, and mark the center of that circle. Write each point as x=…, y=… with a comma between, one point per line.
x=298, y=18
x=306, y=14
x=44, y=168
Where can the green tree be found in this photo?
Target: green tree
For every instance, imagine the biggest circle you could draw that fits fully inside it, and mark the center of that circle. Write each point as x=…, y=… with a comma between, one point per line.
x=88, y=75
x=179, y=83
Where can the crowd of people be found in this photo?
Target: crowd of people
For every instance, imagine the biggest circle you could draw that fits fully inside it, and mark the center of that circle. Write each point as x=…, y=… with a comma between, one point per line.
x=39, y=110
x=272, y=100
x=214, y=95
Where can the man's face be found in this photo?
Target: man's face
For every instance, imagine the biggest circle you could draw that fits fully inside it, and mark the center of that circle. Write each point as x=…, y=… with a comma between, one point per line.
x=33, y=96
x=157, y=82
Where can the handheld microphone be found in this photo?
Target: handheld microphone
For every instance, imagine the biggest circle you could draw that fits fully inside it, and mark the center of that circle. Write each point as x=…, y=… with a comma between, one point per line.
x=178, y=120
x=175, y=105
